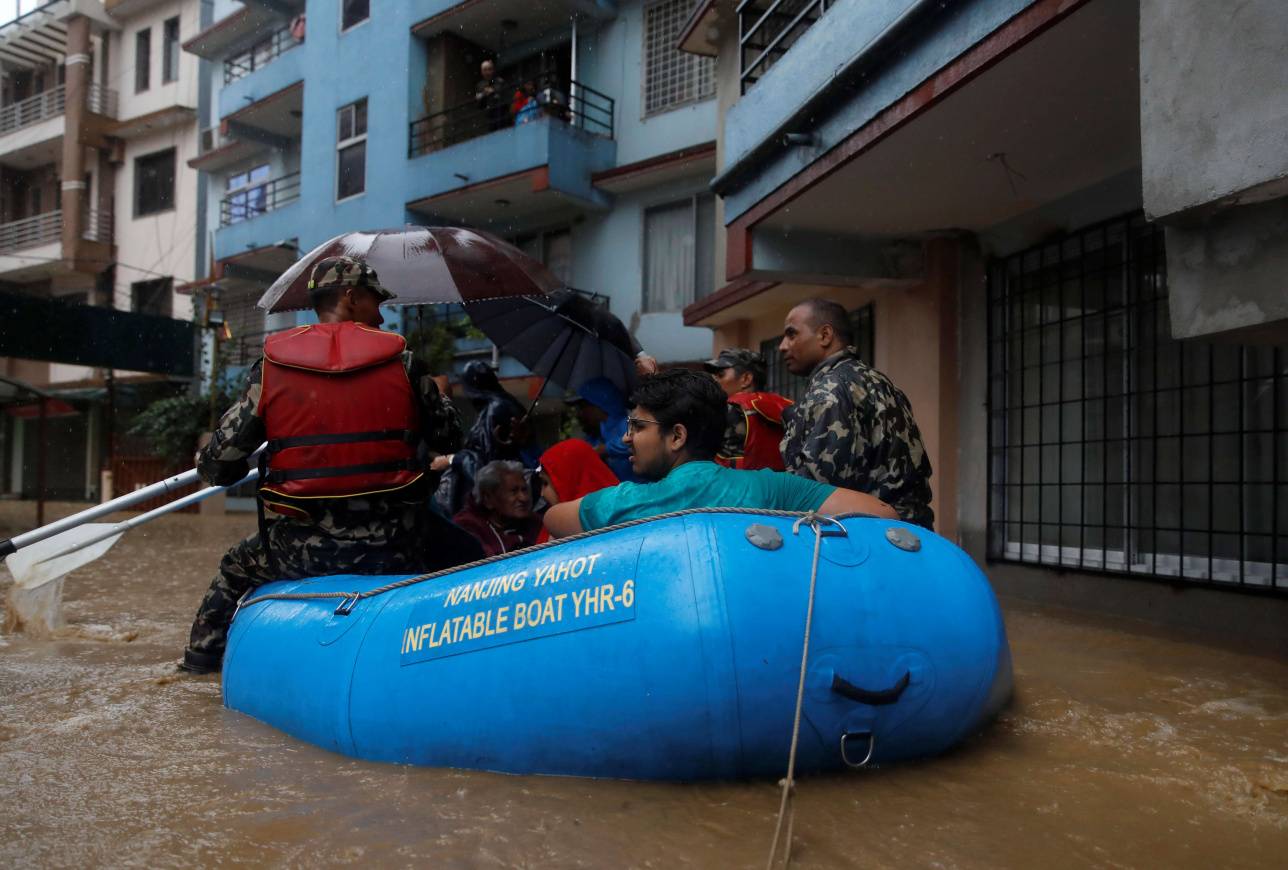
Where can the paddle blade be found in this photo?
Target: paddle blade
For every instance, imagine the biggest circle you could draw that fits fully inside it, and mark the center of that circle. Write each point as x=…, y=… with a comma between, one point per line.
x=51, y=558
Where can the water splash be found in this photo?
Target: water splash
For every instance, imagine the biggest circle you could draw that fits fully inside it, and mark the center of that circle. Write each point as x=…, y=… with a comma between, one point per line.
x=35, y=612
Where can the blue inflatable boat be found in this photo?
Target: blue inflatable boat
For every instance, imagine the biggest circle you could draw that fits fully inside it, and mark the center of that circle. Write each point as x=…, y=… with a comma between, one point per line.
x=668, y=649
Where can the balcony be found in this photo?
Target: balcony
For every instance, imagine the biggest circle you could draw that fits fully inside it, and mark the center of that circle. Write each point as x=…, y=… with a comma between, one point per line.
x=491, y=172
x=51, y=104
x=31, y=232
x=575, y=104
x=31, y=248
x=259, y=55
x=767, y=29
x=254, y=201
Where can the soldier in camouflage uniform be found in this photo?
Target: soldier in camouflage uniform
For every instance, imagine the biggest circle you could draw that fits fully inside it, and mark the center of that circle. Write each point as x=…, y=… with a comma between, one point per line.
x=393, y=533
x=853, y=428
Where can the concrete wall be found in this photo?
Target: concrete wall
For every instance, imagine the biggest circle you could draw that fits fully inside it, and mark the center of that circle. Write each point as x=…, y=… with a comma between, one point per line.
x=1214, y=102
x=164, y=244
x=608, y=258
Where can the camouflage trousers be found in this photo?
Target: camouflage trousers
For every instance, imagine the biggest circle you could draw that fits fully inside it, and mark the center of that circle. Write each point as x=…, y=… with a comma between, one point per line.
x=407, y=539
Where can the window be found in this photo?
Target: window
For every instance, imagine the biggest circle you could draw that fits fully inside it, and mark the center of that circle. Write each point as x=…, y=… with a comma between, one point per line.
x=170, y=51
x=779, y=380
x=154, y=183
x=152, y=297
x=351, y=150
x=353, y=13
x=247, y=195
x=679, y=253
x=1114, y=447
x=552, y=249
x=672, y=77
x=142, y=60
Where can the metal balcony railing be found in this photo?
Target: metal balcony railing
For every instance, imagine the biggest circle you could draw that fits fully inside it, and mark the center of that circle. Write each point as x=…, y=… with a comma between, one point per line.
x=251, y=202
x=96, y=225
x=767, y=29
x=565, y=100
x=29, y=232
x=51, y=104
x=41, y=229
x=102, y=101
x=260, y=55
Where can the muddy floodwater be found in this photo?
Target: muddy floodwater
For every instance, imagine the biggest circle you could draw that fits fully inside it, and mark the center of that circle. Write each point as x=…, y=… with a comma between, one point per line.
x=1123, y=748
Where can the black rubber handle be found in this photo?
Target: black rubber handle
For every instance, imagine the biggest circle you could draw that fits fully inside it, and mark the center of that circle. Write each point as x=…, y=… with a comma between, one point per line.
x=879, y=698
x=7, y=547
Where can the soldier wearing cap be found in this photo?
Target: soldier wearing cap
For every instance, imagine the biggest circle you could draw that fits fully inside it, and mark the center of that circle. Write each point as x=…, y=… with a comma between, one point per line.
x=754, y=422
x=351, y=419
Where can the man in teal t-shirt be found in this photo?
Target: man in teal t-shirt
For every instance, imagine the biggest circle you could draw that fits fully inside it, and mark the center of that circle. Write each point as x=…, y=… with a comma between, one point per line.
x=674, y=431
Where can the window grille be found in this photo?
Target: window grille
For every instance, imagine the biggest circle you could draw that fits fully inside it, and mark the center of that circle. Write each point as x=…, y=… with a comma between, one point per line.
x=779, y=380
x=672, y=77
x=170, y=51
x=1114, y=447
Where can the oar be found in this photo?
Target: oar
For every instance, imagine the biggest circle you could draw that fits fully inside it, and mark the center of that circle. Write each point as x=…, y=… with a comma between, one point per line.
x=130, y=499
x=47, y=560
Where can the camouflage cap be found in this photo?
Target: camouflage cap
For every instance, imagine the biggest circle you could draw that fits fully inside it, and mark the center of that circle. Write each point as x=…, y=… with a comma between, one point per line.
x=739, y=358
x=346, y=272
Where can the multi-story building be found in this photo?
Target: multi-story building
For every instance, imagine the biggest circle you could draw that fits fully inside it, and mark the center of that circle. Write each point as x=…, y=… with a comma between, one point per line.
x=1062, y=228
x=356, y=115
x=98, y=225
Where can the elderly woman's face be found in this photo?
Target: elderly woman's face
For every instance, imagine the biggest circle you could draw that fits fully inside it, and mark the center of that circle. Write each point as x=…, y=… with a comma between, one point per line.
x=512, y=500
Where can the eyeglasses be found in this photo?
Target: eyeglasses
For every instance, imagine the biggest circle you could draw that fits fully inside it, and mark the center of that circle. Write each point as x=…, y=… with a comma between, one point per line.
x=635, y=424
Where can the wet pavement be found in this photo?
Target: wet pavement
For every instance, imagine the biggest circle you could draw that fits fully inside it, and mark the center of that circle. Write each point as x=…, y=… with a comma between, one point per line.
x=1124, y=748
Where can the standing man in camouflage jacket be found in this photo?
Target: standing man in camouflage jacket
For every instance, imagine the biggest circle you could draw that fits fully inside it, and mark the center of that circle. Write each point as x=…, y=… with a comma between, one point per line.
x=350, y=501
x=853, y=428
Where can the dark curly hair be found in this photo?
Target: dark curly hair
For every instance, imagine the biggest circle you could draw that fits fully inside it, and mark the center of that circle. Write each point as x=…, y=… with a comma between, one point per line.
x=687, y=397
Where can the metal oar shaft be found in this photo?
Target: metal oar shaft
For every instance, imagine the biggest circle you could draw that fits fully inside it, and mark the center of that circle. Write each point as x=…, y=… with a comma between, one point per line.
x=170, y=507
x=160, y=488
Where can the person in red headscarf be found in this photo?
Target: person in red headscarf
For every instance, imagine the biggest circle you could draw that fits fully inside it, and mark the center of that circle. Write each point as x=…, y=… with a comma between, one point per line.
x=570, y=470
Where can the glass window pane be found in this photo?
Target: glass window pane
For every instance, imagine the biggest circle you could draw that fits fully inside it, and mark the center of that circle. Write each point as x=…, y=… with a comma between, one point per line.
x=352, y=178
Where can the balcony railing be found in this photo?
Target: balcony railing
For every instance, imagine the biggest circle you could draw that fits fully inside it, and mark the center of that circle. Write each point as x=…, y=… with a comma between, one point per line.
x=259, y=55
x=767, y=29
x=51, y=104
x=41, y=229
x=29, y=232
x=250, y=202
x=571, y=102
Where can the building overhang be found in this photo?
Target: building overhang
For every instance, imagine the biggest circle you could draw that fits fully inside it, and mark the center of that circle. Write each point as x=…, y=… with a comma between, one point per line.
x=227, y=154
x=276, y=117
x=39, y=38
x=686, y=162
x=234, y=32
x=152, y=122
x=513, y=204
x=495, y=24
x=996, y=143
x=256, y=267
x=130, y=8
x=706, y=25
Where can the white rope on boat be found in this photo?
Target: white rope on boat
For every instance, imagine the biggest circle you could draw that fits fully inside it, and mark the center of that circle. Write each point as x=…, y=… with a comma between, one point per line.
x=787, y=804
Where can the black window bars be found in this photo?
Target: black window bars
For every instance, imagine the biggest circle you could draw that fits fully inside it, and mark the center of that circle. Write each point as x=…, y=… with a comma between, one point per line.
x=1115, y=448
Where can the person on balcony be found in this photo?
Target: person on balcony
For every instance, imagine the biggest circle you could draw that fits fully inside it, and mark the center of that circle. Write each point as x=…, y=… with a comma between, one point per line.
x=489, y=96
x=525, y=107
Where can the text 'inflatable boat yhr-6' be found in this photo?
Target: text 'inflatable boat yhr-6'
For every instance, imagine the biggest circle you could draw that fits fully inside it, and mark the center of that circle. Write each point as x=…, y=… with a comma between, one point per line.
x=667, y=649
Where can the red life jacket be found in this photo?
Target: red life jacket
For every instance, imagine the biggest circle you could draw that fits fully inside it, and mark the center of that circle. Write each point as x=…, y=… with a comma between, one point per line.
x=340, y=415
x=764, y=412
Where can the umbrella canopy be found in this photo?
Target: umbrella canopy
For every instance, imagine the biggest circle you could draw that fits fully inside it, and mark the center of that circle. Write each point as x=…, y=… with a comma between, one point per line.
x=422, y=264
x=565, y=337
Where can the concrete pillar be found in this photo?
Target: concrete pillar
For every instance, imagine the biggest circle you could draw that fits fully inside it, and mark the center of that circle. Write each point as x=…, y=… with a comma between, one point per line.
x=77, y=82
